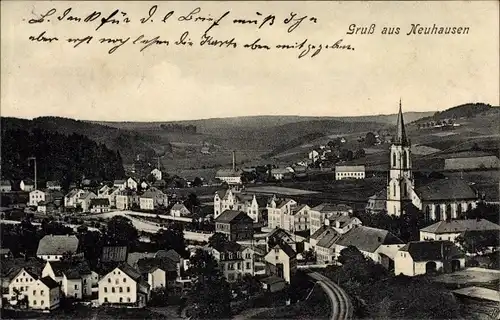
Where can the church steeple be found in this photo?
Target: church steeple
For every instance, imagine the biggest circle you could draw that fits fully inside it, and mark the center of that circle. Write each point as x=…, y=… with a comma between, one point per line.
x=401, y=132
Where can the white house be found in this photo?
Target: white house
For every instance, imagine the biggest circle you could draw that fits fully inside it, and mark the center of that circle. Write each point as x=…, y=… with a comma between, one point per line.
x=84, y=200
x=160, y=272
x=319, y=213
x=123, y=285
x=99, y=205
x=35, y=197
x=342, y=224
x=41, y=293
x=157, y=174
x=71, y=199
x=280, y=173
x=349, y=172
x=427, y=257
x=146, y=202
x=75, y=279
x=179, y=210
x=121, y=184
x=27, y=185
x=20, y=284
x=132, y=184
x=450, y=230
x=53, y=185
x=234, y=260
x=5, y=186
x=52, y=247
x=159, y=198
x=236, y=199
x=313, y=156
x=276, y=211
x=281, y=261
x=230, y=176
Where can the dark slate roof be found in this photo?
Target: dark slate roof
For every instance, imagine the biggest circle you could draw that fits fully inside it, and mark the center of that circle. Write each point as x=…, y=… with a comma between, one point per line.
x=456, y=226
x=49, y=282
x=5, y=183
x=222, y=193
x=319, y=232
x=151, y=264
x=446, y=189
x=228, y=173
x=10, y=267
x=287, y=249
x=114, y=253
x=367, y=239
x=329, y=238
x=71, y=270
x=51, y=244
x=228, y=246
x=272, y=280
x=99, y=202
x=229, y=216
x=432, y=250
x=328, y=207
x=134, y=257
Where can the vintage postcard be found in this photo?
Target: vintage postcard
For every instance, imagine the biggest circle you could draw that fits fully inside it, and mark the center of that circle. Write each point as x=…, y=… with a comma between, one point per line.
x=250, y=160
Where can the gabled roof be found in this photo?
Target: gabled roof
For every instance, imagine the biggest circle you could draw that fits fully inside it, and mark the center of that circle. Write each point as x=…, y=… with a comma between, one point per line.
x=71, y=270
x=329, y=207
x=446, y=189
x=432, y=250
x=319, y=233
x=272, y=280
x=222, y=193
x=147, y=265
x=367, y=239
x=53, y=184
x=114, y=253
x=228, y=246
x=119, y=182
x=170, y=254
x=279, y=233
x=10, y=267
x=5, y=183
x=57, y=245
x=134, y=257
x=27, y=270
x=179, y=206
x=457, y=226
x=222, y=173
x=230, y=216
x=73, y=193
x=49, y=282
x=329, y=238
x=287, y=249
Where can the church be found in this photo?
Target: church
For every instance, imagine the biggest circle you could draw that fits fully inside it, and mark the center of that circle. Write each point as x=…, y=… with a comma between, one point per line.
x=439, y=200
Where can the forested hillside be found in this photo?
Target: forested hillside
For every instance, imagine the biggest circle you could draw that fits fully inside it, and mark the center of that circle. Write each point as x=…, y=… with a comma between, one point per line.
x=66, y=158
x=468, y=110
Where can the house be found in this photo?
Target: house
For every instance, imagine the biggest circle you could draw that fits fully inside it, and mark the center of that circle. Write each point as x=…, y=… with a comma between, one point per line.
x=159, y=272
x=342, y=223
x=280, y=174
x=39, y=293
x=313, y=156
x=179, y=210
x=319, y=213
x=144, y=185
x=99, y=205
x=349, y=172
x=233, y=259
x=53, y=185
x=132, y=184
x=146, y=202
x=276, y=211
x=52, y=248
x=451, y=229
x=117, y=254
x=376, y=203
x=273, y=284
x=160, y=199
x=229, y=176
x=110, y=193
x=27, y=185
x=45, y=207
x=75, y=278
x=35, y=197
x=84, y=200
x=325, y=246
x=237, y=199
x=427, y=257
x=10, y=267
x=5, y=186
x=160, y=183
x=125, y=199
x=157, y=174
x=123, y=286
x=72, y=197
x=280, y=236
x=205, y=150
x=281, y=261
x=121, y=184
x=370, y=242
x=237, y=225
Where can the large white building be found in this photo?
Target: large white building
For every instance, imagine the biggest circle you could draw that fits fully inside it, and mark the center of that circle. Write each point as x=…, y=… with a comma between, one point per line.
x=281, y=261
x=238, y=200
x=53, y=247
x=75, y=279
x=124, y=285
x=320, y=213
x=450, y=230
x=349, y=172
x=41, y=293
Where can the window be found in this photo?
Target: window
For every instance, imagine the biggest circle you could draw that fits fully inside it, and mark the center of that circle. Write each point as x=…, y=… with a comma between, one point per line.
x=121, y=299
x=128, y=289
x=113, y=289
x=124, y=279
x=105, y=289
x=121, y=289
x=84, y=281
x=128, y=299
x=248, y=265
x=76, y=287
x=109, y=280
x=34, y=302
x=105, y=299
x=41, y=303
x=34, y=292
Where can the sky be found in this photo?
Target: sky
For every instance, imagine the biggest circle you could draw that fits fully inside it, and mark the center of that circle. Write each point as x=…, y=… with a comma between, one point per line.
x=163, y=83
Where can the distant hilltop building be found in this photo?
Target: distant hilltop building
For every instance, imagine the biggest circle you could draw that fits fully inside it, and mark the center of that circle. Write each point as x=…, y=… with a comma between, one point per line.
x=439, y=200
x=349, y=172
x=230, y=176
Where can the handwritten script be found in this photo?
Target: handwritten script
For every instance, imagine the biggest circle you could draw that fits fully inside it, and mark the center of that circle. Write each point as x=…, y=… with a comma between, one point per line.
x=99, y=25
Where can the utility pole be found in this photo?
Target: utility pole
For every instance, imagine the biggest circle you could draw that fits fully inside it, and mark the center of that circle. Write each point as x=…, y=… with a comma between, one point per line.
x=34, y=160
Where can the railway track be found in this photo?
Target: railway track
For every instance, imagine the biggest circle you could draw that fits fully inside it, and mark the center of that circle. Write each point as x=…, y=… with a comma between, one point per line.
x=341, y=303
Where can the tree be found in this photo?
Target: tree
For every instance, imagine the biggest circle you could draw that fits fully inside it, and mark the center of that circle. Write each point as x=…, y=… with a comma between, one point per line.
x=360, y=153
x=159, y=297
x=172, y=238
x=217, y=240
x=192, y=202
x=197, y=182
x=310, y=255
x=478, y=242
x=120, y=231
x=210, y=293
x=370, y=139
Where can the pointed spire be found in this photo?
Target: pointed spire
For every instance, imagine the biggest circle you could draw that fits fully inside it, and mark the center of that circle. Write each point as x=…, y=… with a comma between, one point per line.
x=401, y=132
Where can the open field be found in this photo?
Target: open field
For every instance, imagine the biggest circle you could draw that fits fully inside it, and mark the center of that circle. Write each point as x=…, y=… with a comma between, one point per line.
x=470, y=276
x=279, y=190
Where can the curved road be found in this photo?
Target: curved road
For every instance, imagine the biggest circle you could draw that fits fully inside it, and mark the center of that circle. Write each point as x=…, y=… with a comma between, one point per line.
x=341, y=303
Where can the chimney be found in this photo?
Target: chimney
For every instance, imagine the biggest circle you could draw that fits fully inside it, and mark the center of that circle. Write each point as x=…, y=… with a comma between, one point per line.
x=234, y=160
